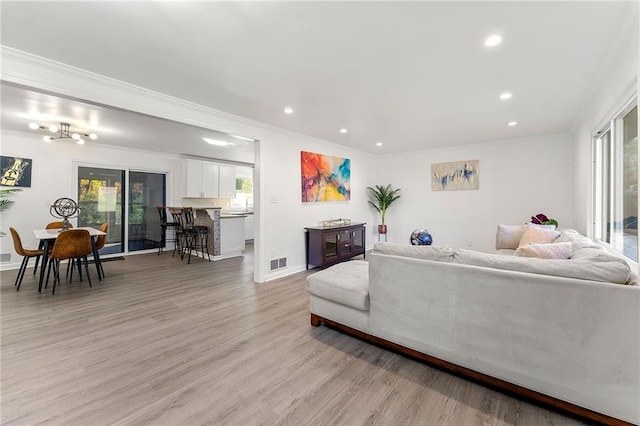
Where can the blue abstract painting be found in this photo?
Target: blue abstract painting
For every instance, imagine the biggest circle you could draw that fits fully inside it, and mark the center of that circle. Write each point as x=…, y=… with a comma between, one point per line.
x=455, y=176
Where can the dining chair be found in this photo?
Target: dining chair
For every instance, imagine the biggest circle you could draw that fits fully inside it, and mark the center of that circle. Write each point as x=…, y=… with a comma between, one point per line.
x=50, y=225
x=26, y=255
x=100, y=242
x=70, y=244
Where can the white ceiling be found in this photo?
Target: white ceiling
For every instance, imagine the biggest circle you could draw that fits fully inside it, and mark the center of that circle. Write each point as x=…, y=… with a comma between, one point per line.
x=412, y=75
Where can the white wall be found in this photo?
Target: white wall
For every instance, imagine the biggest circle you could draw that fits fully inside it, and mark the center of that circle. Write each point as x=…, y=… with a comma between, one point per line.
x=284, y=214
x=518, y=179
x=617, y=81
x=54, y=176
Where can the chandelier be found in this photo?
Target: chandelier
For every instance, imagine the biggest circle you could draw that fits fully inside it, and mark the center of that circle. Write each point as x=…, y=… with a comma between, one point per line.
x=63, y=131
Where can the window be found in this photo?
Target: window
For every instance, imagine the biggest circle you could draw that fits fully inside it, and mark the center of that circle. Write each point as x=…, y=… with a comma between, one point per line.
x=615, y=207
x=244, y=189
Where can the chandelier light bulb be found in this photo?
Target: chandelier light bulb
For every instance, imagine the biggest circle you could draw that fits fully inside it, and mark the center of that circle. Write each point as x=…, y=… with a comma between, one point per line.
x=47, y=139
x=80, y=141
x=75, y=136
x=93, y=136
x=53, y=128
x=33, y=125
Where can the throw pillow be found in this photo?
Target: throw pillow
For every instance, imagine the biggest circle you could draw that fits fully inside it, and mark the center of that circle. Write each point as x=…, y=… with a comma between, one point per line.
x=508, y=236
x=536, y=234
x=545, y=251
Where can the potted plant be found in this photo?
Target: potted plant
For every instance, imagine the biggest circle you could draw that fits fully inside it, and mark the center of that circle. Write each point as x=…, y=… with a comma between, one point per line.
x=381, y=197
x=5, y=202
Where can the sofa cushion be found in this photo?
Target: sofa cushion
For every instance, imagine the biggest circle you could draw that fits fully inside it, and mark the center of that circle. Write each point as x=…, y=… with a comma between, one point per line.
x=545, y=251
x=594, y=268
x=438, y=253
x=538, y=234
x=346, y=283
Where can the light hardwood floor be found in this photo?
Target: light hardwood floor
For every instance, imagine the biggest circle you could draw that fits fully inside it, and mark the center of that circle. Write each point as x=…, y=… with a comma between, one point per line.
x=163, y=342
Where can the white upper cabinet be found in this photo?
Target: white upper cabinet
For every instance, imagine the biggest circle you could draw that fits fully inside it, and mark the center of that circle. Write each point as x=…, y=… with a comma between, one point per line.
x=227, y=182
x=209, y=180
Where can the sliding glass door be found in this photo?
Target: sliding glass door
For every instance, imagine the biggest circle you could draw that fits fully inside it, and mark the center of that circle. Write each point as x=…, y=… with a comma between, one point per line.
x=101, y=199
x=146, y=192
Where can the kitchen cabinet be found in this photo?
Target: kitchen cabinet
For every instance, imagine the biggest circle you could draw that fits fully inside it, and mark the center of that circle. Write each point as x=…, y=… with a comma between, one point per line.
x=201, y=179
x=328, y=246
x=209, y=180
x=248, y=227
x=226, y=181
x=231, y=236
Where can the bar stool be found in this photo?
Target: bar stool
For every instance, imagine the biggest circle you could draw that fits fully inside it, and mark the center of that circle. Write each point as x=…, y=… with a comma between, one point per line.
x=180, y=234
x=164, y=225
x=199, y=234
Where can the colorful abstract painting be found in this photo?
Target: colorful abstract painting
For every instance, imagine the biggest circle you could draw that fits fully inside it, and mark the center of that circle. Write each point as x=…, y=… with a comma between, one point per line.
x=325, y=178
x=455, y=176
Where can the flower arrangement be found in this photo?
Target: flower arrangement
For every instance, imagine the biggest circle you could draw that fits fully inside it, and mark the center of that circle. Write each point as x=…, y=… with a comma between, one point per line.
x=541, y=219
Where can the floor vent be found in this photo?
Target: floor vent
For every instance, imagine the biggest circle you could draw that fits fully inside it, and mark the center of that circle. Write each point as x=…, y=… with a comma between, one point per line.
x=5, y=257
x=278, y=263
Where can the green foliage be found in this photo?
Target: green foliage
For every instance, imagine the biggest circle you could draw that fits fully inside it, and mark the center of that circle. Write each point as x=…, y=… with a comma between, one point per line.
x=244, y=185
x=5, y=203
x=381, y=197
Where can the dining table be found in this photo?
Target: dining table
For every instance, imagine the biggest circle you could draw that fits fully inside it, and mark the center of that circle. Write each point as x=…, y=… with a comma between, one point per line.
x=48, y=238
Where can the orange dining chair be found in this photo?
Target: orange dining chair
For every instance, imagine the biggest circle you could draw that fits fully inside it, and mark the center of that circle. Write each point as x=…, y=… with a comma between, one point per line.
x=50, y=225
x=71, y=244
x=100, y=242
x=25, y=253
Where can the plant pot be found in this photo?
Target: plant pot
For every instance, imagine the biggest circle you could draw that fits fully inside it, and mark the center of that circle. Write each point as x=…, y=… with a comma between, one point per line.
x=382, y=229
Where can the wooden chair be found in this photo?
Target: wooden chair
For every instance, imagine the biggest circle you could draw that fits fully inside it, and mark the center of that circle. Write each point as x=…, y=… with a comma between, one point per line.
x=26, y=253
x=71, y=244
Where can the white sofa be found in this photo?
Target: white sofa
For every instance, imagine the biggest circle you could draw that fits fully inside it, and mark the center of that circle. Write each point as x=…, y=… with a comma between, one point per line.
x=567, y=333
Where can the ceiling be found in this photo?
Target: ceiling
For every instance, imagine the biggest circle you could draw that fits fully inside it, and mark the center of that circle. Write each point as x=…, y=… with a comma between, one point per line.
x=411, y=75
x=116, y=127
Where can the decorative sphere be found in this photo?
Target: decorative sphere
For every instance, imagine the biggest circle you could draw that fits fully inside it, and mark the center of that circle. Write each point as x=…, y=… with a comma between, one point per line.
x=64, y=208
x=421, y=237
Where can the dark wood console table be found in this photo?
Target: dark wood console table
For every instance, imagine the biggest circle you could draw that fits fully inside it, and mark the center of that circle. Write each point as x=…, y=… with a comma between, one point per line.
x=328, y=246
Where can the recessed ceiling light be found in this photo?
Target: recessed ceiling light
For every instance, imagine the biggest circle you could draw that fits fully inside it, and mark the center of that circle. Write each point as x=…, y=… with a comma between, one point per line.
x=343, y=130
x=379, y=144
x=288, y=110
x=493, y=40
x=217, y=142
x=244, y=138
x=505, y=96
x=512, y=123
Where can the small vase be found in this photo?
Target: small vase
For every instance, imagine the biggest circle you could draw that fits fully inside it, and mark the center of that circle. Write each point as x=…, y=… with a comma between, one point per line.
x=382, y=229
